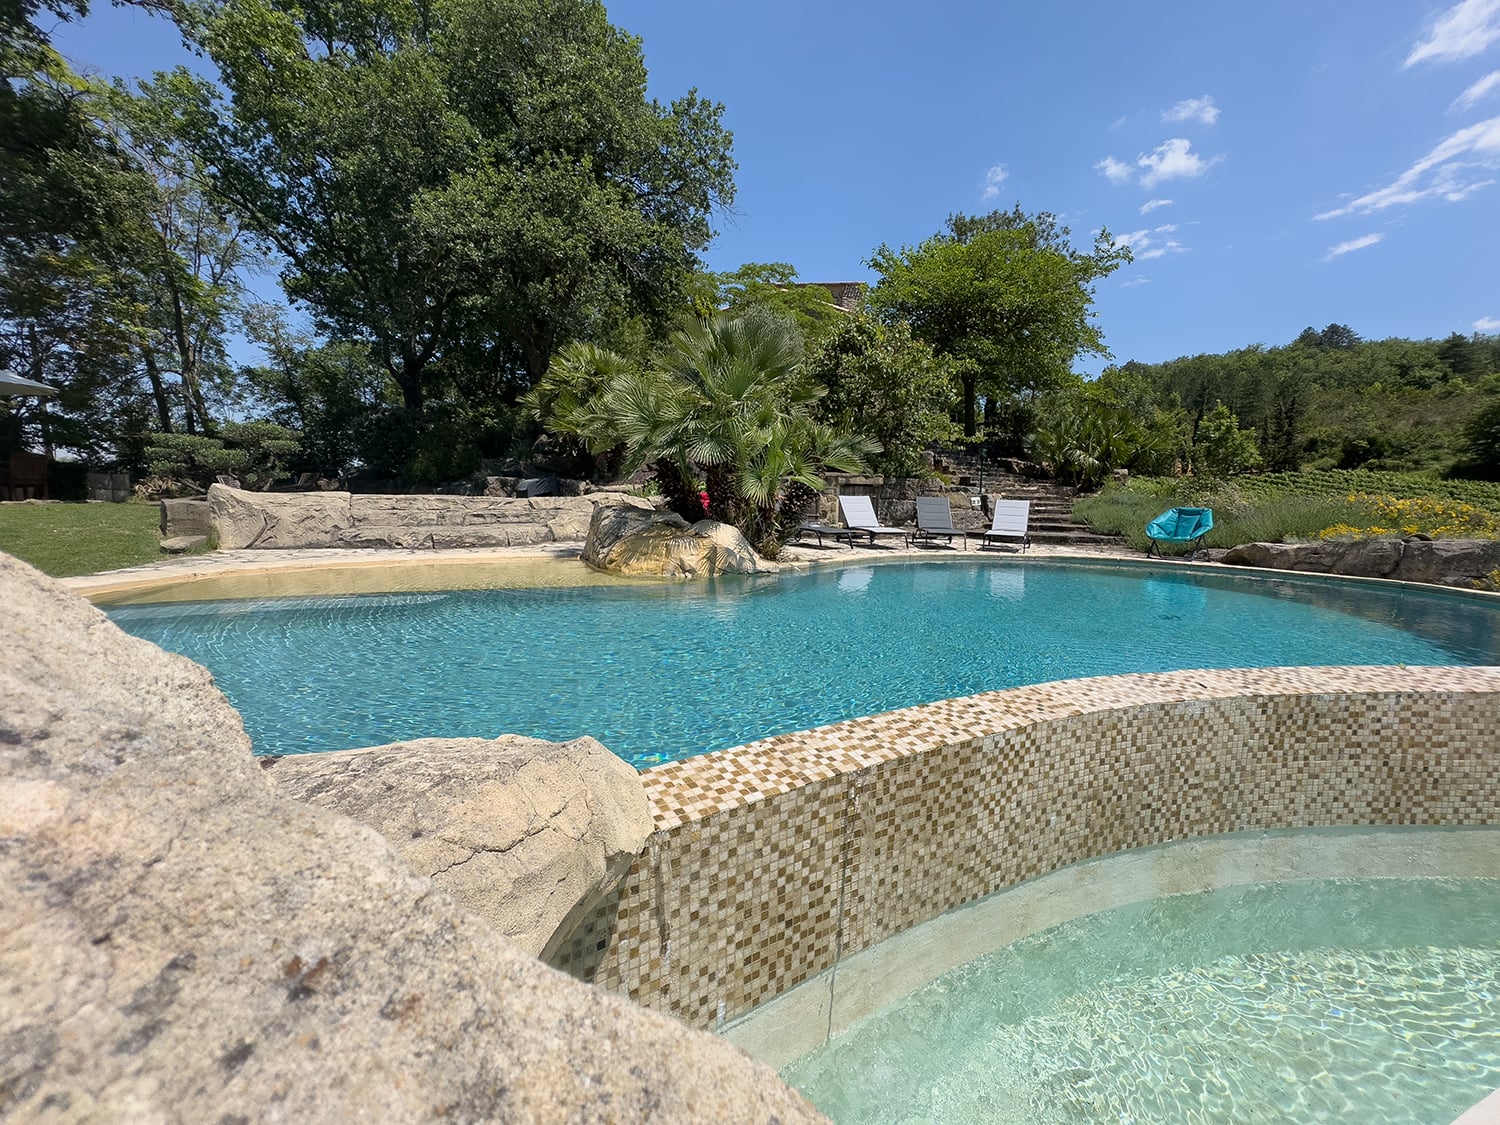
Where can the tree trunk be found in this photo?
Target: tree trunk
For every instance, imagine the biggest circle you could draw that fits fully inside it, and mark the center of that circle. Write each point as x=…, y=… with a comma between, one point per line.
x=970, y=383
x=158, y=391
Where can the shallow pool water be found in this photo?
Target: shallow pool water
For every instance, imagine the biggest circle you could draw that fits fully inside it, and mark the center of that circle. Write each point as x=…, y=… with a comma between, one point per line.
x=664, y=671
x=1328, y=1001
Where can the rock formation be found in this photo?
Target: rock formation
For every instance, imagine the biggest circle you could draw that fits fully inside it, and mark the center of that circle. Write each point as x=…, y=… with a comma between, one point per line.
x=1442, y=562
x=649, y=544
x=338, y=519
x=178, y=942
x=525, y=833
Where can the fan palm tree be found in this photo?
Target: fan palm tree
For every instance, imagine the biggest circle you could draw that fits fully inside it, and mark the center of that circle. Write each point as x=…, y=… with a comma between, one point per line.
x=723, y=408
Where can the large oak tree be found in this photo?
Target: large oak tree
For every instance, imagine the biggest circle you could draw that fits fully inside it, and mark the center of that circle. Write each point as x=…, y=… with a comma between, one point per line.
x=465, y=184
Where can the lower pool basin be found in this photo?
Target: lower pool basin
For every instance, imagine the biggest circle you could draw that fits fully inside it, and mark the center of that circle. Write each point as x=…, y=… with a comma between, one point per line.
x=1309, y=1001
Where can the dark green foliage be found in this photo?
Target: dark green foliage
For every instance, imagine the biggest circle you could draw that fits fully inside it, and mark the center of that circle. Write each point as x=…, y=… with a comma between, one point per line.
x=1220, y=447
x=1004, y=297
x=723, y=408
x=256, y=453
x=1332, y=400
x=774, y=287
x=512, y=183
x=884, y=385
x=1482, y=440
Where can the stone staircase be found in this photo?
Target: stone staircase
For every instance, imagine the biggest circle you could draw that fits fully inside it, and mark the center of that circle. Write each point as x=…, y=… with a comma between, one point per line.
x=1052, y=520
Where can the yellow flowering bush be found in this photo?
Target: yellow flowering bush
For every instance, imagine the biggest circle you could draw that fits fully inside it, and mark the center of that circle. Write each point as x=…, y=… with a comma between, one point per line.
x=1420, y=515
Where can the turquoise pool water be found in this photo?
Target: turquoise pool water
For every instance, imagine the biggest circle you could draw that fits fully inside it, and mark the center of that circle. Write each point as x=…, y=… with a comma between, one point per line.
x=1333, y=1001
x=660, y=672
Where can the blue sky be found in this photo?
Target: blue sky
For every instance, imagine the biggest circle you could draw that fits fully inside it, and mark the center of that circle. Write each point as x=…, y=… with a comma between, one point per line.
x=1273, y=165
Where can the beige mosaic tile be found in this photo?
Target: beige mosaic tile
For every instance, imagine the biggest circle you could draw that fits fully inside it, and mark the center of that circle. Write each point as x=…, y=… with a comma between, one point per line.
x=773, y=859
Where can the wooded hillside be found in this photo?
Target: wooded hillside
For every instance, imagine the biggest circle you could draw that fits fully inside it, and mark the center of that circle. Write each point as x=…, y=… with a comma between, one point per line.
x=1332, y=400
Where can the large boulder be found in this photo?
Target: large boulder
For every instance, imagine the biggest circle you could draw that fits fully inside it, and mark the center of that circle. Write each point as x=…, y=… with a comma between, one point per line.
x=1443, y=562
x=337, y=519
x=527, y=834
x=278, y=519
x=178, y=942
x=185, y=517
x=641, y=543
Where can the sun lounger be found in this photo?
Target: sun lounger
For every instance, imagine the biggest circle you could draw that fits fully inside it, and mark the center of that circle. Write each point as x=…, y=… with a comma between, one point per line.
x=1012, y=517
x=810, y=527
x=1180, y=525
x=935, y=521
x=859, y=515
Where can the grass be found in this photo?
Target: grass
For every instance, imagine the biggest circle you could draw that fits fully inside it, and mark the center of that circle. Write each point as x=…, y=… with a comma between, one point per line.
x=1278, y=507
x=68, y=539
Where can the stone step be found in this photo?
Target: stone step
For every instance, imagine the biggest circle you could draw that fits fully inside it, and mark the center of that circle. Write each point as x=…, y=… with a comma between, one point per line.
x=1077, y=539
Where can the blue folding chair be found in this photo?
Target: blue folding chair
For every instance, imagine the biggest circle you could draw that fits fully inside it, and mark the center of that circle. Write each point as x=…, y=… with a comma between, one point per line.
x=1180, y=525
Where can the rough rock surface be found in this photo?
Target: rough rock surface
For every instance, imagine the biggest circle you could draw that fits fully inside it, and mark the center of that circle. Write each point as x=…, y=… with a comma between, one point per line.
x=1442, y=562
x=646, y=544
x=180, y=544
x=185, y=517
x=338, y=519
x=180, y=943
x=527, y=834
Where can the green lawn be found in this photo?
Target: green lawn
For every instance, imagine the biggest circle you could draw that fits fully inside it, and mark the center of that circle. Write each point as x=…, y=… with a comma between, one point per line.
x=68, y=539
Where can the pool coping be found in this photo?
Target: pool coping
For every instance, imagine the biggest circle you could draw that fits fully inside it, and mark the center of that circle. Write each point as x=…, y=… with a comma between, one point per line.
x=166, y=573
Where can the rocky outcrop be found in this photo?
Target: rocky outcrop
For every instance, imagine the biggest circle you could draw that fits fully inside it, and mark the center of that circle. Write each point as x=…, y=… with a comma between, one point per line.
x=651, y=544
x=527, y=834
x=178, y=942
x=185, y=517
x=1442, y=562
x=338, y=519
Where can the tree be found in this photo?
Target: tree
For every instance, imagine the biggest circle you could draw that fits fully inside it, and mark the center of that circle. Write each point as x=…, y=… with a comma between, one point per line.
x=722, y=409
x=187, y=251
x=255, y=452
x=1005, y=296
x=1220, y=447
x=468, y=186
x=774, y=286
x=886, y=385
x=1482, y=439
x=332, y=393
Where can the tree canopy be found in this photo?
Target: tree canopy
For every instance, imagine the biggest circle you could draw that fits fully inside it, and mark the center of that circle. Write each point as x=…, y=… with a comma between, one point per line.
x=467, y=184
x=1004, y=295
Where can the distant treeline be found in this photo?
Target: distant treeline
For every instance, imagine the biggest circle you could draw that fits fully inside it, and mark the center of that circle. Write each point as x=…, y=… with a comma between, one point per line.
x=1331, y=400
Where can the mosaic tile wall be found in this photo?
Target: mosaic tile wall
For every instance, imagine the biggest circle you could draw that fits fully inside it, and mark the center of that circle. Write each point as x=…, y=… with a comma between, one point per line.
x=772, y=860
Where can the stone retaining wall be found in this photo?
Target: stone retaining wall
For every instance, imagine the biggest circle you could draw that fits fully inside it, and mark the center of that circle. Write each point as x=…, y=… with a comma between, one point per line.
x=338, y=519
x=771, y=861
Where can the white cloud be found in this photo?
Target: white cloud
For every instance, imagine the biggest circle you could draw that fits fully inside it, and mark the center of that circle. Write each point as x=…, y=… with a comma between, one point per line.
x=1201, y=110
x=1461, y=32
x=1487, y=324
x=1152, y=204
x=1478, y=90
x=1146, y=244
x=1134, y=282
x=1352, y=245
x=1444, y=173
x=993, y=178
x=1174, y=159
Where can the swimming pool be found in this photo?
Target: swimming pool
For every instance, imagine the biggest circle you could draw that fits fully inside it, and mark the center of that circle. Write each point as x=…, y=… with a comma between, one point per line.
x=1308, y=1001
x=661, y=672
